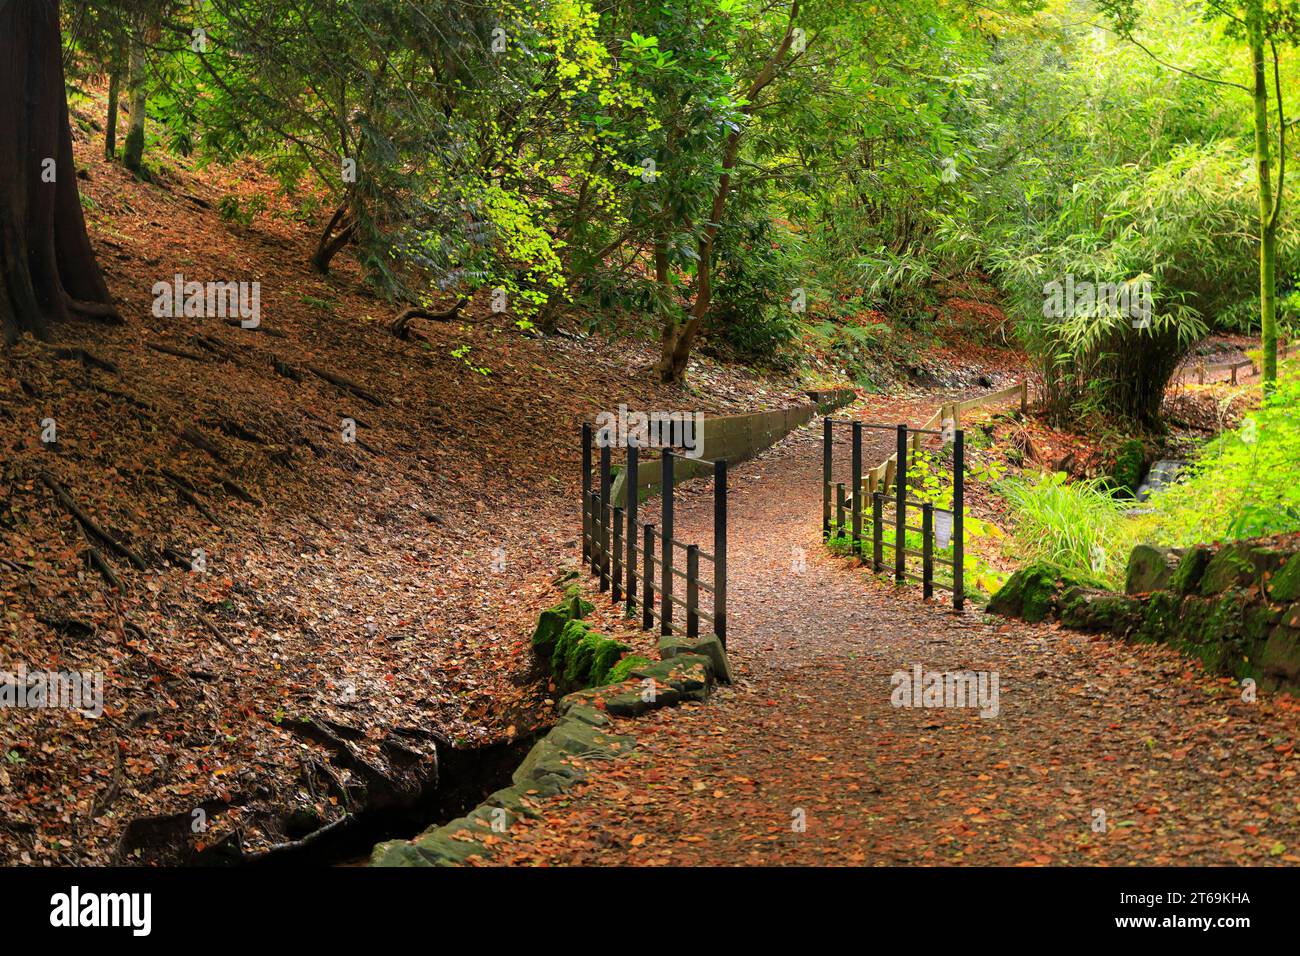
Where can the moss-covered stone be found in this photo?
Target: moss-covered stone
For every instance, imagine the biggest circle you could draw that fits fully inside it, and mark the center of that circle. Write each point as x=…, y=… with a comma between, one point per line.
x=1032, y=593
x=552, y=621
x=1231, y=567
x=1149, y=569
x=549, y=625
x=565, y=644
x=1186, y=578
x=620, y=671
x=1085, y=609
x=1130, y=465
x=1284, y=585
x=1280, y=657
x=606, y=655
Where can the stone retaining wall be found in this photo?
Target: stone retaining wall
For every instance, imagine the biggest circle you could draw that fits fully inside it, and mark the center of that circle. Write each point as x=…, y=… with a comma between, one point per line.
x=1235, y=606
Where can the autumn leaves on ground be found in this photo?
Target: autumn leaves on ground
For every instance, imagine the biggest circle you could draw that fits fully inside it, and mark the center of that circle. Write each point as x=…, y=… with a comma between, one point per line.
x=380, y=589
x=360, y=602
x=1101, y=752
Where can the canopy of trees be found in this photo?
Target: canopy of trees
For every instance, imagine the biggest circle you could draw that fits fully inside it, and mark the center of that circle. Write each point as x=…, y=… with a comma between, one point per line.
x=716, y=171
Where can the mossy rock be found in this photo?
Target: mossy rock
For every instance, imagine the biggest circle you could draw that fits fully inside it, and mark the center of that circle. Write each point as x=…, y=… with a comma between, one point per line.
x=1159, y=618
x=1085, y=609
x=1150, y=568
x=1032, y=593
x=1186, y=578
x=569, y=638
x=1280, y=657
x=1130, y=464
x=620, y=671
x=549, y=625
x=552, y=621
x=1231, y=567
x=1285, y=584
x=579, y=607
x=603, y=661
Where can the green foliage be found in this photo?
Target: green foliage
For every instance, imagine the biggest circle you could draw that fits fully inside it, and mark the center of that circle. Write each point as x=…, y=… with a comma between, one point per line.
x=1075, y=526
x=1243, y=484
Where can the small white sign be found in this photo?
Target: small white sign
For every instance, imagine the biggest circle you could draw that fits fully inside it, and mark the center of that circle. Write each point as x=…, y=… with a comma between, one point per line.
x=943, y=527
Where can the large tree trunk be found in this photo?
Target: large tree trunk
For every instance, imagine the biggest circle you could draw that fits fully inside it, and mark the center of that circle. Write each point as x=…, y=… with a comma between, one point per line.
x=47, y=267
x=133, y=153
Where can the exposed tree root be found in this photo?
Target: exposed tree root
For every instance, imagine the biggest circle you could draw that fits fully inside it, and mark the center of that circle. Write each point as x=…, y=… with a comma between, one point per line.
x=400, y=326
x=196, y=438
x=235, y=430
x=239, y=491
x=265, y=330
x=186, y=492
x=285, y=369
x=178, y=352
x=88, y=524
x=347, y=385
x=98, y=562
x=88, y=359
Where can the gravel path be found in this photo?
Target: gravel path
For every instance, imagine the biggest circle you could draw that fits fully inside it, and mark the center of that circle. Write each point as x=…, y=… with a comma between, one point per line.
x=805, y=761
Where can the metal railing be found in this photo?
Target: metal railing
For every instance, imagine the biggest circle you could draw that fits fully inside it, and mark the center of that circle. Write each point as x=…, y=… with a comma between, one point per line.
x=837, y=503
x=610, y=545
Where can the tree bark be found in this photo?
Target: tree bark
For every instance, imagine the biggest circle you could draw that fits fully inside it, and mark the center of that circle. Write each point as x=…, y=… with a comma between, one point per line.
x=337, y=234
x=110, y=123
x=1270, y=210
x=133, y=155
x=47, y=266
x=679, y=339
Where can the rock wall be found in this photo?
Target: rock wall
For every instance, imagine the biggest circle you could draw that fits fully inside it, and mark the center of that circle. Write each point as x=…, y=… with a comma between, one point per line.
x=1235, y=606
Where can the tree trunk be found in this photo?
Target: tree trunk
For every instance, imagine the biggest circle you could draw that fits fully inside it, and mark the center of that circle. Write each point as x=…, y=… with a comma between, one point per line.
x=110, y=123
x=338, y=233
x=679, y=339
x=47, y=267
x=133, y=156
x=1267, y=213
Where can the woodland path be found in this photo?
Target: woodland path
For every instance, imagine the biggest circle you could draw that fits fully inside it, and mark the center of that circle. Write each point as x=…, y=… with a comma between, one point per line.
x=1185, y=771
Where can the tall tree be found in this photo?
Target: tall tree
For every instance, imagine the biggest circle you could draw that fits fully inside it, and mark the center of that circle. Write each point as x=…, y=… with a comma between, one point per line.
x=47, y=267
x=1261, y=25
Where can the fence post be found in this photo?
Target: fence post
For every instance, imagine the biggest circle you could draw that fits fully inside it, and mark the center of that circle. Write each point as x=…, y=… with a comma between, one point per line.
x=877, y=529
x=632, y=493
x=900, y=508
x=857, y=489
x=826, y=478
x=606, y=453
x=720, y=550
x=666, y=549
x=1024, y=396
x=648, y=579
x=594, y=508
x=692, y=590
x=958, y=512
x=616, y=553
x=927, y=551
x=586, y=492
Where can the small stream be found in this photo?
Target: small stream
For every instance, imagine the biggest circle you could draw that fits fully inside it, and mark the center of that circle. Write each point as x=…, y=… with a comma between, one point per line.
x=465, y=778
